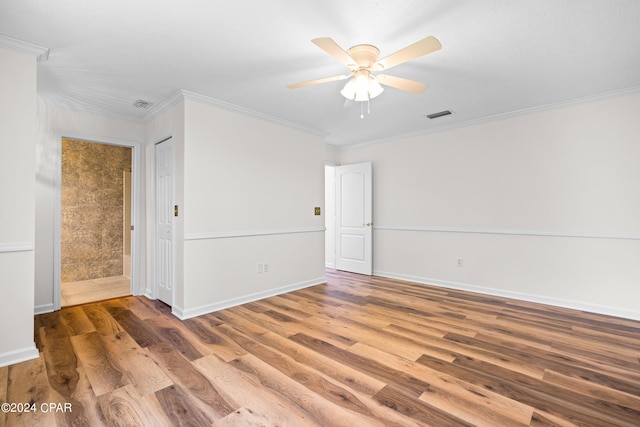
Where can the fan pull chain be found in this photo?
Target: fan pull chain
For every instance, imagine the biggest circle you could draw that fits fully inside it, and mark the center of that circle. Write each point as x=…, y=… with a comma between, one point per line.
x=362, y=108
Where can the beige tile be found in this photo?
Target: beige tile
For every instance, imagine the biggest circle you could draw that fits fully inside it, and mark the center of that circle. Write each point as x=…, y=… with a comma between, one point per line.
x=94, y=290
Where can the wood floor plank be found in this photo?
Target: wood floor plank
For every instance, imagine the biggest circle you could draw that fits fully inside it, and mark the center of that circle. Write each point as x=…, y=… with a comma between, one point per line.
x=462, y=400
x=28, y=384
x=103, y=373
x=83, y=402
x=136, y=365
x=180, y=337
x=376, y=369
x=60, y=359
x=250, y=395
x=76, y=321
x=143, y=334
x=544, y=361
x=417, y=409
x=330, y=391
x=356, y=351
x=571, y=404
x=323, y=411
x=431, y=325
x=359, y=332
x=145, y=309
x=280, y=324
x=188, y=377
x=285, y=306
x=178, y=408
x=215, y=342
x=235, y=316
x=353, y=378
x=125, y=407
x=102, y=321
x=600, y=392
x=4, y=383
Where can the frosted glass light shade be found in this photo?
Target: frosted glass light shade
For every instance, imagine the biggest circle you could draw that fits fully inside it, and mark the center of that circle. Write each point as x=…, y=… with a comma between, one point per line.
x=362, y=87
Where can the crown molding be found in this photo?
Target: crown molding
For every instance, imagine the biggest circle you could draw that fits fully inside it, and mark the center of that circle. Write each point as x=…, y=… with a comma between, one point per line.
x=494, y=117
x=182, y=94
x=246, y=111
x=41, y=53
x=164, y=105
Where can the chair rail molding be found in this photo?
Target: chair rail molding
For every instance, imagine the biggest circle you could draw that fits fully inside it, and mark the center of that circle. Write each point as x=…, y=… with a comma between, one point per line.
x=510, y=232
x=16, y=247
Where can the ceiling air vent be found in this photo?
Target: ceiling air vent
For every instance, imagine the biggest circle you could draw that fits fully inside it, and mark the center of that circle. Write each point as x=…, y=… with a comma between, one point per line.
x=440, y=114
x=140, y=103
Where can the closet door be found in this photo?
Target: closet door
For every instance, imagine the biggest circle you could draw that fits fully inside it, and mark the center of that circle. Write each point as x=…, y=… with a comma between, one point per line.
x=354, y=223
x=164, y=221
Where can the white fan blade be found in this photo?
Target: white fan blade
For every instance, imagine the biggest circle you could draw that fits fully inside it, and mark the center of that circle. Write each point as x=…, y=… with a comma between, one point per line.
x=400, y=83
x=318, y=81
x=332, y=48
x=420, y=48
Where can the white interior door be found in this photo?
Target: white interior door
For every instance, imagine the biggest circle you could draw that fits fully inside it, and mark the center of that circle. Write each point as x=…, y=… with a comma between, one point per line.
x=354, y=250
x=164, y=221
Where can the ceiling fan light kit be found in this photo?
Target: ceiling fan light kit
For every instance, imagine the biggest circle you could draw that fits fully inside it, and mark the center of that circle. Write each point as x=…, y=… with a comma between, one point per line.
x=362, y=60
x=362, y=87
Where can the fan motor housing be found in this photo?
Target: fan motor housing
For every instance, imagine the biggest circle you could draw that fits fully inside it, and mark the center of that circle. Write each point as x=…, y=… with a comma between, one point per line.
x=365, y=55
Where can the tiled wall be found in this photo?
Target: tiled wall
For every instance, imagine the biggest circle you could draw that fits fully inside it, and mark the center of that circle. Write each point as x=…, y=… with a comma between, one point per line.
x=92, y=209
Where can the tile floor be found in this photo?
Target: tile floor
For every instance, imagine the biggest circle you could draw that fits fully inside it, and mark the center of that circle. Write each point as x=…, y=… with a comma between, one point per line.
x=94, y=290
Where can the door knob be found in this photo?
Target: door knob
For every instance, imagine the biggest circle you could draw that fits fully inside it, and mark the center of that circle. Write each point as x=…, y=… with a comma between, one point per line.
x=369, y=224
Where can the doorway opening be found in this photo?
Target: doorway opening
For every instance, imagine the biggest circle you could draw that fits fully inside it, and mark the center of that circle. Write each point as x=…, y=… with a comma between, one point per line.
x=330, y=216
x=95, y=218
x=348, y=220
x=165, y=213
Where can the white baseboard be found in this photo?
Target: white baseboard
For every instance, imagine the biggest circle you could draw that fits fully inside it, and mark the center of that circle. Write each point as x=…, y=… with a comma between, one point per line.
x=183, y=314
x=44, y=308
x=558, y=302
x=17, y=356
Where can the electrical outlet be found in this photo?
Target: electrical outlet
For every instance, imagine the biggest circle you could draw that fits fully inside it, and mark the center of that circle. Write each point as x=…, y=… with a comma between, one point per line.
x=260, y=268
x=265, y=267
x=460, y=262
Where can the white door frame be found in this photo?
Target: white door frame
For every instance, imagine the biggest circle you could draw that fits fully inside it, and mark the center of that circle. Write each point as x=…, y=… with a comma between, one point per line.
x=154, y=263
x=136, y=156
x=330, y=215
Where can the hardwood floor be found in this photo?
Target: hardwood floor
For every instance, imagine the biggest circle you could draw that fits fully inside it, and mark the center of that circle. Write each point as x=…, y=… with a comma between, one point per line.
x=358, y=351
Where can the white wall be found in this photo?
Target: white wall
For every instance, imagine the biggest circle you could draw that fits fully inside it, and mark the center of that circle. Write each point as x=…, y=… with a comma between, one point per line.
x=53, y=123
x=543, y=206
x=250, y=188
x=246, y=190
x=17, y=197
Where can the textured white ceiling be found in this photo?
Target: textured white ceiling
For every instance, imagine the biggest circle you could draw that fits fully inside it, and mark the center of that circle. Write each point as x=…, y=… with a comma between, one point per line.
x=498, y=56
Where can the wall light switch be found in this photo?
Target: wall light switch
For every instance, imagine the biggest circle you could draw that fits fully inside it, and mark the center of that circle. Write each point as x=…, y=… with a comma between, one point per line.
x=317, y=210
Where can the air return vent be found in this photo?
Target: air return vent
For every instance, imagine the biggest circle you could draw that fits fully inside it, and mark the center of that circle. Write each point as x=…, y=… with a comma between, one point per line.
x=140, y=103
x=440, y=114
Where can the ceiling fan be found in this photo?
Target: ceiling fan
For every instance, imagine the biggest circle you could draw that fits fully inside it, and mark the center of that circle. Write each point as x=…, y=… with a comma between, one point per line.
x=362, y=61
